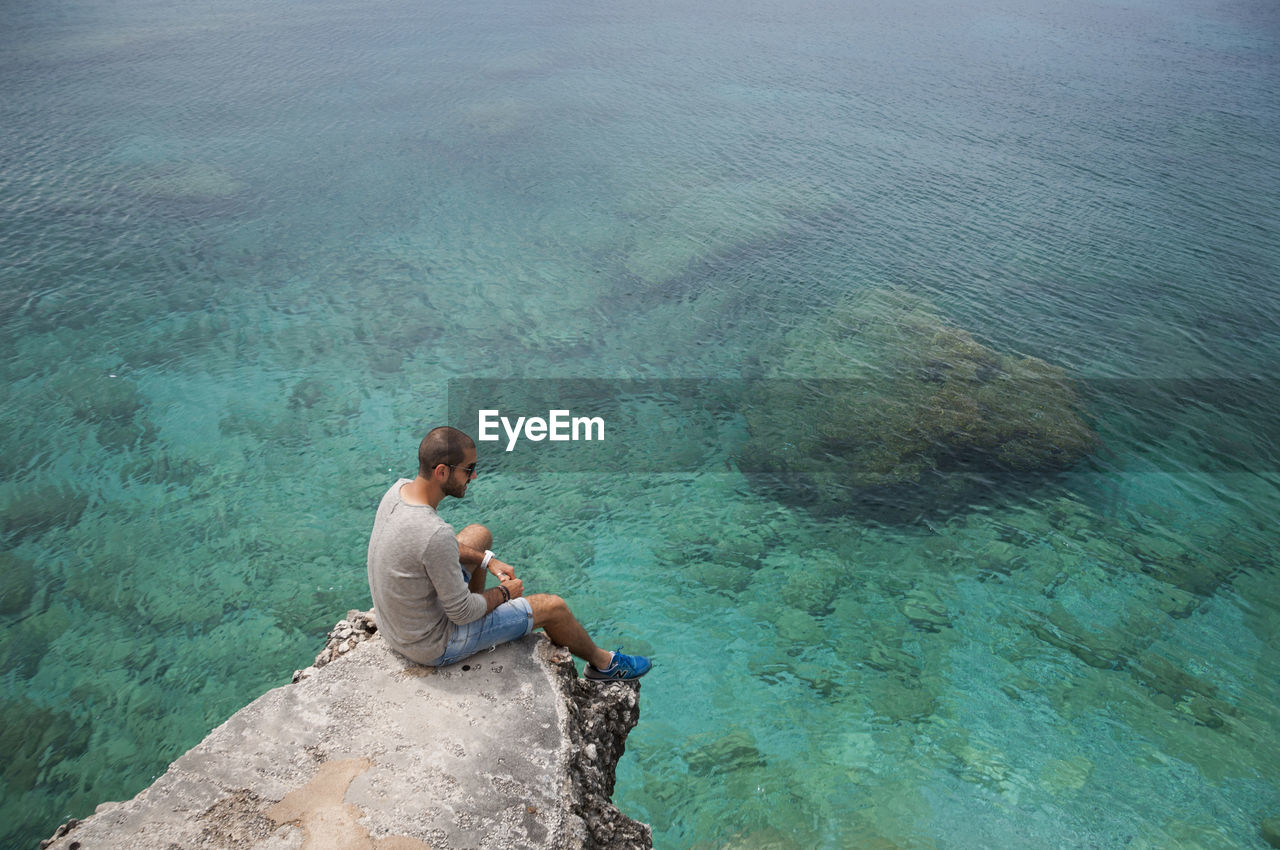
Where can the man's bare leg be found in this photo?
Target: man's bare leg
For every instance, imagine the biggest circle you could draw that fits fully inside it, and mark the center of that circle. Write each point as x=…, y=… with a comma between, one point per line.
x=551, y=613
x=477, y=537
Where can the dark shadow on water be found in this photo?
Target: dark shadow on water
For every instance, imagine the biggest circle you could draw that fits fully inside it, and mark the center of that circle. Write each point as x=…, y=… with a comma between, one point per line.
x=935, y=498
x=1229, y=425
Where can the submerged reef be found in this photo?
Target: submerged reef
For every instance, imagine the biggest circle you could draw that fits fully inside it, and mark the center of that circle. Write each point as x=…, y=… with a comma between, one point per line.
x=881, y=398
x=984, y=646
x=36, y=509
x=32, y=736
x=113, y=404
x=17, y=583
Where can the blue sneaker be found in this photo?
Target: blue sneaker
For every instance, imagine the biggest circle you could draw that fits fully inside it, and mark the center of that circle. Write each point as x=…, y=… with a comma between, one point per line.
x=624, y=667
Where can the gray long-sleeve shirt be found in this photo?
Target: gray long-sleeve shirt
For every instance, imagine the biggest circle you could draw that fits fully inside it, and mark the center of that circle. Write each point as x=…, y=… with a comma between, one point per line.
x=416, y=579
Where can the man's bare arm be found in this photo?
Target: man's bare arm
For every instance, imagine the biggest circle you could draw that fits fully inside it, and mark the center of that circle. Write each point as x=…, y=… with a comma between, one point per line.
x=494, y=596
x=472, y=558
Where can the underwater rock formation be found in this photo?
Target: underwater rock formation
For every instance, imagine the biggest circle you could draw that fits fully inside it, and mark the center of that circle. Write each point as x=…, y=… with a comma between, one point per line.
x=35, y=510
x=112, y=403
x=1271, y=831
x=32, y=734
x=689, y=220
x=98, y=397
x=883, y=394
x=17, y=583
x=192, y=182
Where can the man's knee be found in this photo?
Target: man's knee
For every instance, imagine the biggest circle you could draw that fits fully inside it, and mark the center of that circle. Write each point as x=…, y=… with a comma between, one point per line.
x=476, y=536
x=547, y=607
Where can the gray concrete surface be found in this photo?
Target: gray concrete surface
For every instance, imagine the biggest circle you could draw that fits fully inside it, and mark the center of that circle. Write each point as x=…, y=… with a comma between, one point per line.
x=373, y=751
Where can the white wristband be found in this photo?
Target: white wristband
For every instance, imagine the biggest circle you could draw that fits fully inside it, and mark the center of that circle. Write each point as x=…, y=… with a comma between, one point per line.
x=488, y=556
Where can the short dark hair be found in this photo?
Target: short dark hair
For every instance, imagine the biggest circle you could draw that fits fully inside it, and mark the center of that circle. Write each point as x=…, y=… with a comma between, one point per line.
x=443, y=445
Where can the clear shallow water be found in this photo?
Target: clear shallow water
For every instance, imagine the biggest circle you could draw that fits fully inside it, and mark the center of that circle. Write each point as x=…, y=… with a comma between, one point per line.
x=247, y=247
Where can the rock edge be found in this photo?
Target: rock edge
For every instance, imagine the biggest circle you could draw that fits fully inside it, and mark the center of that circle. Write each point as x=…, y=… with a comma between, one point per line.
x=508, y=750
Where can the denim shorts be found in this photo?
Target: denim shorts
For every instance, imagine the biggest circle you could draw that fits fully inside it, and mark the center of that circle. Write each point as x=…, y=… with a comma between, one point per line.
x=509, y=621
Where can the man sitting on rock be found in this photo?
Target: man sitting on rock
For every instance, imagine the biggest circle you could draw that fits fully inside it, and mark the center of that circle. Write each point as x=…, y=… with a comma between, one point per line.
x=428, y=584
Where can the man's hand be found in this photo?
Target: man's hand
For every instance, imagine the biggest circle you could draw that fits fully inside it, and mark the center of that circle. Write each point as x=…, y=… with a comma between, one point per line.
x=494, y=596
x=502, y=570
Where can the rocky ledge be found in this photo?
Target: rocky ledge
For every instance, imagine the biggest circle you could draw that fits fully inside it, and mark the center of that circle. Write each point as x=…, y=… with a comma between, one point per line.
x=509, y=750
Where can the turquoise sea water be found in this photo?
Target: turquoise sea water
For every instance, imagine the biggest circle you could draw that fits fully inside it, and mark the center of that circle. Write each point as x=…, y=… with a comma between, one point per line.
x=246, y=249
